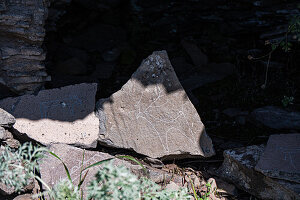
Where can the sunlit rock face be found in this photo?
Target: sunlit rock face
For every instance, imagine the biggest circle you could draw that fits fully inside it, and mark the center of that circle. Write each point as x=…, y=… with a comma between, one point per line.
x=63, y=115
x=152, y=114
x=21, y=36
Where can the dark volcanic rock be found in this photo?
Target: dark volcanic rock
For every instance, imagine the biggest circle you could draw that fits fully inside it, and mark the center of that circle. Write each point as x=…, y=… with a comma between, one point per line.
x=277, y=118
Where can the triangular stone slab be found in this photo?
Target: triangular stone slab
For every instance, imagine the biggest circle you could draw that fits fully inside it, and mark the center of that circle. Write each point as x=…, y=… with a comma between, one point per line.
x=152, y=114
x=63, y=115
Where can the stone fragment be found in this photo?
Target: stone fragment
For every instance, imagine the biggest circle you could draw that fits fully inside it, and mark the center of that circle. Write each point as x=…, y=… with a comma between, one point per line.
x=199, y=59
x=281, y=158
x=7, y=190
x=153, y=162
x=63, y=115
x=152, y=114
x=277, y=118
x=172, y=186
x=6, y=119
x=24, y=197
x=238, y=168
x=2, y=133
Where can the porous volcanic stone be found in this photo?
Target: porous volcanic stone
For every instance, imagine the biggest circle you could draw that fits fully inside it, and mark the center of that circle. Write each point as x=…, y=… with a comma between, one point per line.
x=6, y=119
x=281, y=158
x=152, y=114
x=64, y=115
x=238, y=168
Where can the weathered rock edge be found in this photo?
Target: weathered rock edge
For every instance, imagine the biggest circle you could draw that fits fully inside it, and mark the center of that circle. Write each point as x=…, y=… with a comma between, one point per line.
x=238, y=168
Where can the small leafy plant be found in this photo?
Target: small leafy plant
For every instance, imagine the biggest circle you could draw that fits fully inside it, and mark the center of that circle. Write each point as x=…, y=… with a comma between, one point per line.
x=287, y=101
x=17, y=168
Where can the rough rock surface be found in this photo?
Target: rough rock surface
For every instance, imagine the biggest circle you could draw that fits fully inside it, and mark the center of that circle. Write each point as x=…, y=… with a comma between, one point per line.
x=64, y=115
x=152, y=114
x=277, y=118
x=21, y=36
x=281, y=158
x=238, y=168
x=53, y=171
x=6, y=119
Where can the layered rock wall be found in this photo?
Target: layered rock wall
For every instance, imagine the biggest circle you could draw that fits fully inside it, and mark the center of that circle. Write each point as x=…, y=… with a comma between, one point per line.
x=21, y=36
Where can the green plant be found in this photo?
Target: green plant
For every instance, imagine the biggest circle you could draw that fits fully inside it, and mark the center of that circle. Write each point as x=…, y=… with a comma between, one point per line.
x=206, y=194
x=112, y=182
x=284, y=44
x=287, y=101
x=17, y=168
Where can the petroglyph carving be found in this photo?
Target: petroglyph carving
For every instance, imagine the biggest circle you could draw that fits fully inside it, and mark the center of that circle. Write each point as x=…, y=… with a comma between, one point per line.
x=153, y=115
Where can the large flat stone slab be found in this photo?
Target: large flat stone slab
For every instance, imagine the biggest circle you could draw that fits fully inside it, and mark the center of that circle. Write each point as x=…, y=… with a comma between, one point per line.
x=63, y=115
x=238, y=168
x=152, y=114
x=52, y=170
x=281, y=158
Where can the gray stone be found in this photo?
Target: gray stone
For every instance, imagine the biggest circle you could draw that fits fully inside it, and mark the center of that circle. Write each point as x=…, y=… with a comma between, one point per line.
x=281, y=158
x=277, y=118
x=24, y=197
x=64, y=115
x=199, y=59
x=22, y=35
x=2, y=133
x=152, y=114
x=238, y=168
x=6, y=119
x=52, y=170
